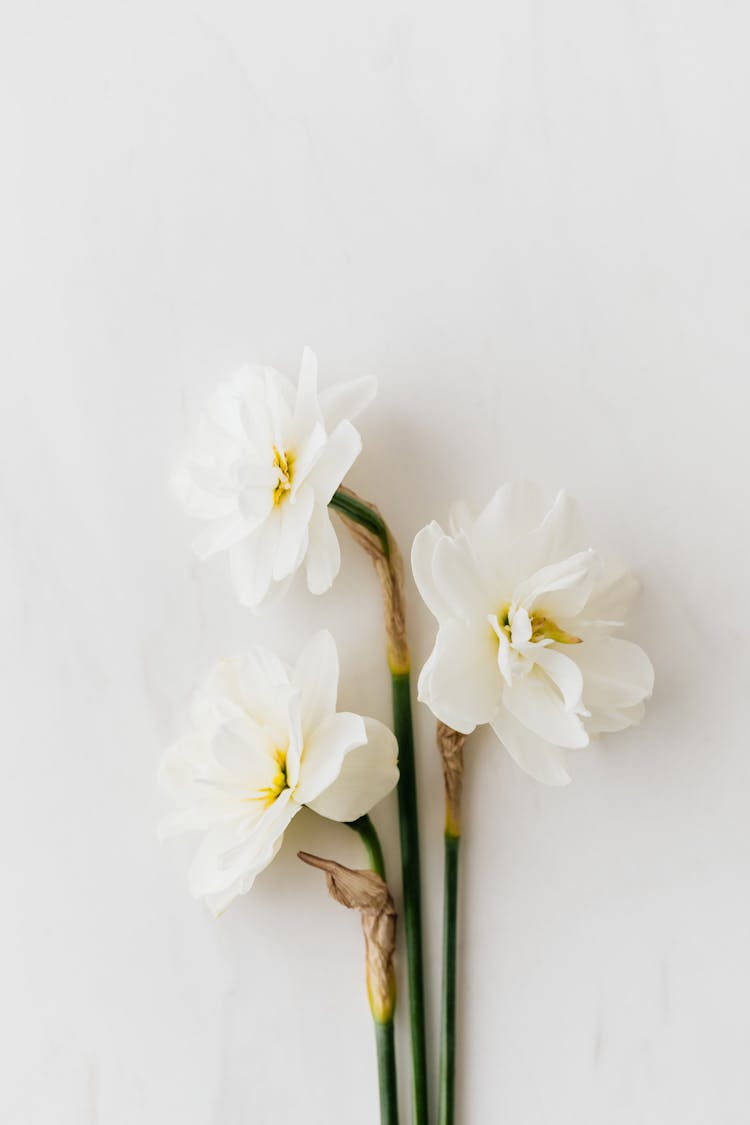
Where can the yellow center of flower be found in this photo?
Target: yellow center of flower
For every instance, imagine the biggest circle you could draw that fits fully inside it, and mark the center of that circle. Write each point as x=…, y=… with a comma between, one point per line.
x=284, y=464
x=277, y=785
x=543, y=628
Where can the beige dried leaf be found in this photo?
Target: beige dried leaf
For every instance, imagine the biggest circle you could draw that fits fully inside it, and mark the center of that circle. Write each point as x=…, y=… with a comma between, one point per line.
x=367, y=892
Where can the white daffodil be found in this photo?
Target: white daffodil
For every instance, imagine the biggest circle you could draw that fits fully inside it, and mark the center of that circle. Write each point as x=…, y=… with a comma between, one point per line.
x=268, y=740
x=268, y=460
x=526, y=612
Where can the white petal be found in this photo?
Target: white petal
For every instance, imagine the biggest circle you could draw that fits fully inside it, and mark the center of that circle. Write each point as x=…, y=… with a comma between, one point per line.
x=225, y=408
x=307, y=411
x=560, y=589
x=307, y=454
x=255, y=501
x=295, y=746
x=279, y=397
x=252, y=560
x=458, y=580
x=197, y=500
x=250, y=386
x=295, y=513
x=422, y=559
x=339, y=454
x=461, y=682
x=538, y=707
x=612, y=596
x=264, y=683
x=324, y=751
x=347, y=400
x=369, y=772
x=219, y=535
x=182, y=771
x=460, y=518
x=245, y=751
x=561, y=669
x=616, y=673
x=607, y=722
x=514, y=511
x=535, y=757
x=323, y=558
x=316, y=676
x=238, y=850
x=559, y=535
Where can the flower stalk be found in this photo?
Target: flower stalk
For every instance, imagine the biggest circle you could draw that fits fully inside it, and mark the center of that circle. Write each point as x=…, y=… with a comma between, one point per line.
x=371, y=532
x=367, y=892
x=451, y=747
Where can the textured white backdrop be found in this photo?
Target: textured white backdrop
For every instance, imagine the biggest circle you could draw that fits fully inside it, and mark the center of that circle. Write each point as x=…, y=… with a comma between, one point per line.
x=531, y=221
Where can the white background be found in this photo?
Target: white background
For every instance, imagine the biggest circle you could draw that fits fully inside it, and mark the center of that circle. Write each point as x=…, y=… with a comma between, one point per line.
x=531, y=221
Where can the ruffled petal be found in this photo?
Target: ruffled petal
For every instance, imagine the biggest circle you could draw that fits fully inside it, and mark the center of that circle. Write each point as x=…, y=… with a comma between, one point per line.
x=198, y=500
x=184, y=769
x=368, y=774
x=316, y=677
x=323, y=558
x=307, y=455
x=324, y=751
x=461, y=681
x=616, y=673
x=560, y=589
x=252, y=559
x=459, y=581
x=535, y=757
x=307, y=412
x=608, y=722
x=516, y=509
x=231, y=855
x=612, y=596
x=336, y=459
x=347, y=400
x=293, y=534
x=422, y=559
x=561, y=669
x=539, y=708
x=220, y=535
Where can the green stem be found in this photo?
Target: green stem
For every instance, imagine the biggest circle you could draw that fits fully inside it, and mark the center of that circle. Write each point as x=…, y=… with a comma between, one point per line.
x=384, y=553
x=384, y=1036
x=409, y=829
x=384, y=1043
x=366, y=830
x=353, y=509
x=447, y=1100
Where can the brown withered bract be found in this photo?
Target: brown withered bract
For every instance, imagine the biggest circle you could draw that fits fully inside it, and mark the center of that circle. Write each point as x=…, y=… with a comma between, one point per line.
x=390, y=571
x=451, y=746
x=367, y=892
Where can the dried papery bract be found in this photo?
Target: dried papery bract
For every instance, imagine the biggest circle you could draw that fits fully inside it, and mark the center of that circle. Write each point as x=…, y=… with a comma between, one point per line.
x=366, y=892
x=376, y=540
x=451, y=746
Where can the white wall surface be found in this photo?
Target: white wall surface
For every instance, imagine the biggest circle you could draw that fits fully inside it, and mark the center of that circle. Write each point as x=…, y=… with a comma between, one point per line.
x=531, y=221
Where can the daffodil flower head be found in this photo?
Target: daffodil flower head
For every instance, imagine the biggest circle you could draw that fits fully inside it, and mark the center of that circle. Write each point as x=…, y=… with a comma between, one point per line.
x=526, y=613
x=269, y=457
x=267, y=739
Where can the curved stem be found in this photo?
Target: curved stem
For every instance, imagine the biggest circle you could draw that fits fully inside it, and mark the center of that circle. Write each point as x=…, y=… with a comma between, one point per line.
x=353, y=508
x=447, y=1099
x=364, y=827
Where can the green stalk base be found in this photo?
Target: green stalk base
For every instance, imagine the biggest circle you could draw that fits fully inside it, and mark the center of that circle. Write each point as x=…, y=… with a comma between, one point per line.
x=447, y=1099
x=384, y=1042
x=409, y=829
